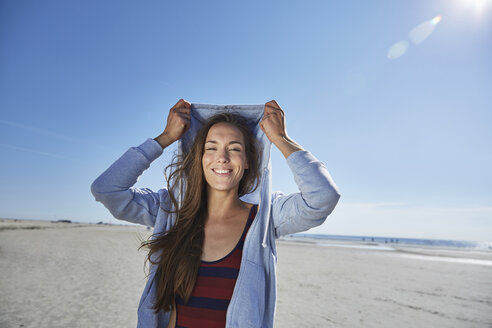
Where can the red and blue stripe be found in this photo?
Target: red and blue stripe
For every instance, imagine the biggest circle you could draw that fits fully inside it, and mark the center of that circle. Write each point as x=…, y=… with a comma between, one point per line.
x=207, y=306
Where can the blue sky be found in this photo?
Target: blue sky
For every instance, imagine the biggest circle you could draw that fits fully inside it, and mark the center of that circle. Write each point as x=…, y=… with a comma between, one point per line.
x=406, y=138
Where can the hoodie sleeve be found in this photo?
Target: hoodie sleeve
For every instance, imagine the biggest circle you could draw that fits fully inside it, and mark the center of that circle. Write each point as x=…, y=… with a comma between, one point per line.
x=113, y=188
x=311, y=206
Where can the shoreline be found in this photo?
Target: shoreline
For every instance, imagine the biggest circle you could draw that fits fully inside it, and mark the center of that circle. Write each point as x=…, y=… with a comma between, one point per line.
x=430, y=250
x=8, y=223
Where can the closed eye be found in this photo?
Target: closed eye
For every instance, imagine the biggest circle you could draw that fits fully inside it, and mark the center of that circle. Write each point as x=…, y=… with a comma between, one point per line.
x=234, y=149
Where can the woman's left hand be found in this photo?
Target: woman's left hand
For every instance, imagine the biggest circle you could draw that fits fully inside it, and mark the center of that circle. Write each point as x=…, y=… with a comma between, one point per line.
x=273, y=125
x=273, y=122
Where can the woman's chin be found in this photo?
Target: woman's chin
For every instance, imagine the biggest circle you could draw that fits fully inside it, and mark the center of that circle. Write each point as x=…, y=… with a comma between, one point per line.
x=223, y=188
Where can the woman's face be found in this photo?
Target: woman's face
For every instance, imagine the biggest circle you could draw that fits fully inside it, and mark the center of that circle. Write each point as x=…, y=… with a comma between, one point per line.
x=224, y=157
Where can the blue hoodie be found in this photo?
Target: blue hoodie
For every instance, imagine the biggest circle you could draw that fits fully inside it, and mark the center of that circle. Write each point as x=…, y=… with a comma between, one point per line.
x=254, y=297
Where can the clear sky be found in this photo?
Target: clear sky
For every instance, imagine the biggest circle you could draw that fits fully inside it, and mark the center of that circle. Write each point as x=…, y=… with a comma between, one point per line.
x=393, y=96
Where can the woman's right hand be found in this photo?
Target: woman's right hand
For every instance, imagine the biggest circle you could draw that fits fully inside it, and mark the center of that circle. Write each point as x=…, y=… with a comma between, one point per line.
x=178, y=122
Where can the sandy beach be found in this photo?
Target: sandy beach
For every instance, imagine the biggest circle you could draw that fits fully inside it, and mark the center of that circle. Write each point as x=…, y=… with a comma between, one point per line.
x=85, y=275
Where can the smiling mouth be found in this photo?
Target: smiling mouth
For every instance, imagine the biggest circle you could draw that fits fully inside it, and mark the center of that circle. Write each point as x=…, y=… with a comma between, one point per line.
x=222, y=173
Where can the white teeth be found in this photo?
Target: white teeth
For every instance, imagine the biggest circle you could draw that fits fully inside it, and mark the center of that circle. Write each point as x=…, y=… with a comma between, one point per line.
x=222, y=171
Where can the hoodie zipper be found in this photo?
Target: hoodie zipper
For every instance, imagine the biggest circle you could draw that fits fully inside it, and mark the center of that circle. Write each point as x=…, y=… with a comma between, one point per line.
x=241, y=269
x=266, y=173
x=232, y=304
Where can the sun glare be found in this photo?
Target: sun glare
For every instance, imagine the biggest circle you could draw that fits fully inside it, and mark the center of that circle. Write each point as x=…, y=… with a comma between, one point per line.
x=479, y=5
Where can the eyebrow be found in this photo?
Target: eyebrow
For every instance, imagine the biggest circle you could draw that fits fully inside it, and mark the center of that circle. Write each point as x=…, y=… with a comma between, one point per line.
x=231, y=142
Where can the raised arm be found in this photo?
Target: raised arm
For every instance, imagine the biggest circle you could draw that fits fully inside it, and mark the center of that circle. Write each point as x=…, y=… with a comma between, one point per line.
x=114, y=187
x=311, y=206
x=318, y=194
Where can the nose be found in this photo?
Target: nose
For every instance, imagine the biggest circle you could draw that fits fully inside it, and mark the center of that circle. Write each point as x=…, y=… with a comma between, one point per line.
x=223, y=156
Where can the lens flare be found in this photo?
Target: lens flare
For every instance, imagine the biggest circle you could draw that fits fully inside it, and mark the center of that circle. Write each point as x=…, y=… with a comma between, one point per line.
x=417, y=35
x=398, y=49
x=422, y=31
x=436, y=20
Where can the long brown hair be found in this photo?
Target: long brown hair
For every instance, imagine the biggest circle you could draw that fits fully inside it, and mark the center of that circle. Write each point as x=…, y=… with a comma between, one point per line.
x=181, y=246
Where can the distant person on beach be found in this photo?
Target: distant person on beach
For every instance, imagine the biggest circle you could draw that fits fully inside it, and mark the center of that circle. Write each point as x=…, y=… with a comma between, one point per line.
x=213, y=254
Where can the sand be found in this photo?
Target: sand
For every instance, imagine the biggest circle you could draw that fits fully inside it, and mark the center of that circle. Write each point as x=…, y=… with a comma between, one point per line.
x=77, y=275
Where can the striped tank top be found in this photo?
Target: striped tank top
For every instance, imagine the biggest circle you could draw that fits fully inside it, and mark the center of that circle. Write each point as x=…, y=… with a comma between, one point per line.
x=207, y=306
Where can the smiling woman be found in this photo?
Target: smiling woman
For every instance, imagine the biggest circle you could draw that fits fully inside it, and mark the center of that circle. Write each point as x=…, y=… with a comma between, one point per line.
x=210, y=221
x=224, y=159
x=213, y=253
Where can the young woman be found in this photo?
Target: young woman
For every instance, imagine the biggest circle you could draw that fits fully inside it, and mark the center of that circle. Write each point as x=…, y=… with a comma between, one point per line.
x=213, y=253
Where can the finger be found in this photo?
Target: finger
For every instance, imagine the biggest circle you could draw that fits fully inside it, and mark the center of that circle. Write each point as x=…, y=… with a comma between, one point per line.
x=182, y=111
x=186, y=104
x=269, y=106
x=276, y=113
x=182, y=104
x=272, y=109
x=272, y=115
x=184, y=124
x=281, y=111
x=185, y=116
x=177, y=104
x=273, y=103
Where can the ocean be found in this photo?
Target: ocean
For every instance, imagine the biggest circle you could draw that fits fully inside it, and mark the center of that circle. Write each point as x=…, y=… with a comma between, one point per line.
x=396, y=241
